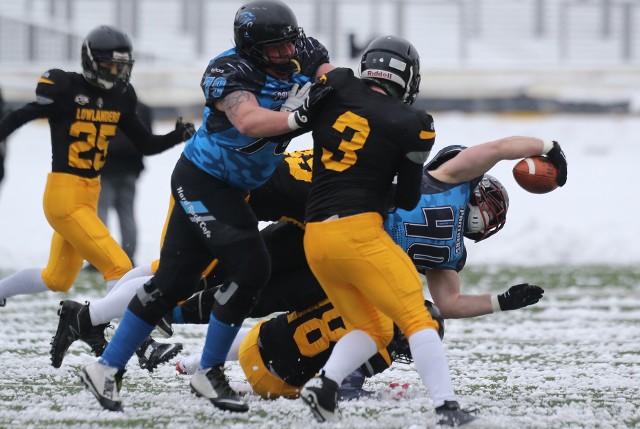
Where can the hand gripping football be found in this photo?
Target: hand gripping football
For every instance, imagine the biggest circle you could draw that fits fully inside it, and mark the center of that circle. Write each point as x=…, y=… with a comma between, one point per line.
x=536, y=175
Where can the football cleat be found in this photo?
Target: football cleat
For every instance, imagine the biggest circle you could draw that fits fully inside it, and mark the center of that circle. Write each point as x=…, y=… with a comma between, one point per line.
x=450, y=414
x=164, y=326
x=321, y=395
x=212, y=384
x=3, y=302
x=152, y=353
x=104, y=382
x=75, y=323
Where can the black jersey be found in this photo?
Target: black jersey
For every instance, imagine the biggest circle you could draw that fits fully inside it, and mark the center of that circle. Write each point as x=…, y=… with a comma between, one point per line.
x=83, y=118
x=361, y=138
x=284, y=196
x=296, y=345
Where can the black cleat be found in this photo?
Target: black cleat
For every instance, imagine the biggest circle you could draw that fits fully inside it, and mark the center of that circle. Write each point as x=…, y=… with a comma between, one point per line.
x=450, y=414
x=164, y=326
x=212, y=384
x=3, y=302
x=75, y=324
x=152, y=353
x=321, y=394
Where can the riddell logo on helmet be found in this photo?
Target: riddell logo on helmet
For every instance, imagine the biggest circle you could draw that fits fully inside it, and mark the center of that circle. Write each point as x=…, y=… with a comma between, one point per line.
x=378, y=73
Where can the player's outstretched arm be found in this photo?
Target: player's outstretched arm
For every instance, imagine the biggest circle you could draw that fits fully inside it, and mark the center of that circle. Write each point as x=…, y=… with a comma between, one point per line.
x=476, y=160
x=444, y=287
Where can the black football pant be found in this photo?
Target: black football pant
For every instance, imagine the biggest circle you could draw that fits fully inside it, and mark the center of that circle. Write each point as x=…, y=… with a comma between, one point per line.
x=209, y=220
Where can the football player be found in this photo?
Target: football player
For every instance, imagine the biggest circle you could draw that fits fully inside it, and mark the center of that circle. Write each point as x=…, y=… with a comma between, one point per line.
x=84, y=110
x=280, y=354
x=237, y=148
x=366, y=135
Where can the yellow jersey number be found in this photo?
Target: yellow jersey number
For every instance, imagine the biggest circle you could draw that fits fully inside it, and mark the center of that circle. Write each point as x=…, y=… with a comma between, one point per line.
x=347, y=148
x=324, y=331
x=96, y=141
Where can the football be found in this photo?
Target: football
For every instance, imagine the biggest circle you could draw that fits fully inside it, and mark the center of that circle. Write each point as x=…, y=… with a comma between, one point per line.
x=536, y=175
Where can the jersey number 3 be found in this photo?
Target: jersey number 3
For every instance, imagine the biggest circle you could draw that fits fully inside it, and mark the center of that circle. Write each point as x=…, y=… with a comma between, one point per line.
x=346, y=155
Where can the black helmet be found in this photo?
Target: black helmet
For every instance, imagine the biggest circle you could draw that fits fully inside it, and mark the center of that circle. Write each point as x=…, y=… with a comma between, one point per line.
x=487, y=209
x=394, y=64
x=267, y=22
x=107, y=57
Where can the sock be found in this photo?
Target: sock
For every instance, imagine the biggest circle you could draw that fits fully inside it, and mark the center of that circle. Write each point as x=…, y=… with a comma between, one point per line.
x=111, y=284
x=130, y=334
x=431, y=363
x=235, y=346
x=23, y=282
x=113, y=305
x=220, y=336
x=141, y=271
x=177, y=316
x=349, y=353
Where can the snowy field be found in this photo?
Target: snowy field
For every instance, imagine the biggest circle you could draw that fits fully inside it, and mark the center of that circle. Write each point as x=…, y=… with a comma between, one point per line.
x=570, y=362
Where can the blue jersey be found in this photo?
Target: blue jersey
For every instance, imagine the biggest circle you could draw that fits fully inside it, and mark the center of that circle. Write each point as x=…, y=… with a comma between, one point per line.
x=218, y=148
x=432, y=233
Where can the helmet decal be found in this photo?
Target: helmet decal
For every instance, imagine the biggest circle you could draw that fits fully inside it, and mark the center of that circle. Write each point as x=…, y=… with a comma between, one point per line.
x=394, y=64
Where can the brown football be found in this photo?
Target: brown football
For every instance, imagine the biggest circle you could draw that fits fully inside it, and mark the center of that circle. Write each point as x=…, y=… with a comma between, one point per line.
x=536, y=175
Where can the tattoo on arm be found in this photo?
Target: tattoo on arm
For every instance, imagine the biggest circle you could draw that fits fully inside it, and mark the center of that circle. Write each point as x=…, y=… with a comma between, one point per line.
x=231, y=103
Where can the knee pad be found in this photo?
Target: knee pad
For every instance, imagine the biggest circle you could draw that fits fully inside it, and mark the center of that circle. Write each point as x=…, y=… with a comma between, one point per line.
x=198, y=308
x=232, y=303
x=150, y=304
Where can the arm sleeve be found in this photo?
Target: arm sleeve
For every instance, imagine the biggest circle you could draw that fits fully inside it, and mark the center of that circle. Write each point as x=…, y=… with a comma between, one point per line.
x=419, y=141
x=146, y=142
x=407, y=191
x=21, y=116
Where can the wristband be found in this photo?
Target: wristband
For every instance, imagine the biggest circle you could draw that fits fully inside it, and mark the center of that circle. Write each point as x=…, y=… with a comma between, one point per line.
x=291, y=121
x=546, y=146
x=495, y=303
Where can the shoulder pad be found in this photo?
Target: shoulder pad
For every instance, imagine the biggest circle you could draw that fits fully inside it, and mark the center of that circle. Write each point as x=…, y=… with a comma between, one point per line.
x=230, y=72
x=313, y=56
x=443, y=156
x=52, y=84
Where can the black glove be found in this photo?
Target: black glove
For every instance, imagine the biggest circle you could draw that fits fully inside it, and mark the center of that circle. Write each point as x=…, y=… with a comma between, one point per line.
x=185, y=130
x=557, y=158
x=302, y=114
x=519, y=296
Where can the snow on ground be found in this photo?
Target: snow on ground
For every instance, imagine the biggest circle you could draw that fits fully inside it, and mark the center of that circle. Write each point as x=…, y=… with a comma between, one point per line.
x=581, y=223
x=570, y=362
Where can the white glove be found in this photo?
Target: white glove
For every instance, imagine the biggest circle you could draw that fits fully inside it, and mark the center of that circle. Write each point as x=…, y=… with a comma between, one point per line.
x=296, y=97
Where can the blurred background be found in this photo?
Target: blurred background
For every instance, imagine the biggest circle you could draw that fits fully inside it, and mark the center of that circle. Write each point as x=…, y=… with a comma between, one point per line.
x=566, y=70
x=477, y=55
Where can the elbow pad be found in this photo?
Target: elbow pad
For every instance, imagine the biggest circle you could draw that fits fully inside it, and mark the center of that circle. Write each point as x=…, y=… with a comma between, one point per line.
x=418, y=157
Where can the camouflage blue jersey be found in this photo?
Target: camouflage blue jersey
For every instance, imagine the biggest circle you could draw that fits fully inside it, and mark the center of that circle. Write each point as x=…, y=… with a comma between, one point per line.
x=218, y=148
x=432, y=233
